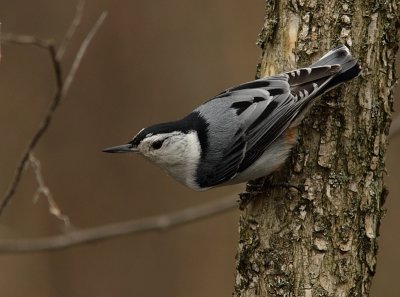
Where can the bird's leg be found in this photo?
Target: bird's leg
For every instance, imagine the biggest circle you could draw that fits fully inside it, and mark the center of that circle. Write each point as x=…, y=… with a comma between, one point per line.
x=246, y=197
x=260, y=186
x=286, y=185
x=253, y=189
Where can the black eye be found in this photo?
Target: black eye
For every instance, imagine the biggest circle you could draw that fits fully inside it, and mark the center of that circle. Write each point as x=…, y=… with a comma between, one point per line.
x=157, y=144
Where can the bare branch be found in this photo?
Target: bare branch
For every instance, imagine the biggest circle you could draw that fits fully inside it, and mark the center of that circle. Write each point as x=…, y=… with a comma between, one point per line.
x=41, y=43
x=81, y=52
x=45, y=191
x=61, y=92
x=26, y=40
x=161, y=222
x=71, y=30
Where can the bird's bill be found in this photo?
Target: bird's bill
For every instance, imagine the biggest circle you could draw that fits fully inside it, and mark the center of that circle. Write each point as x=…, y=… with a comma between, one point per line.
x=125, y=148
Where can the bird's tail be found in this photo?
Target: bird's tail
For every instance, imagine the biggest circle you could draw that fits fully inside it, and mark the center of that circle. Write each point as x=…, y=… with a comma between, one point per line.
x=339, y=56
x=334, y=68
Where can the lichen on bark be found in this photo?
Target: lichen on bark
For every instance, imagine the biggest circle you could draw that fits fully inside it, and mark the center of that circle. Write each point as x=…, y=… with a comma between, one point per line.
x=323, y=242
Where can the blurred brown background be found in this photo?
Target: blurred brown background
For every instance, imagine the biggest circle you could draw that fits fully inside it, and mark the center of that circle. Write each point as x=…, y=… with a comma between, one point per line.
x=151, y=61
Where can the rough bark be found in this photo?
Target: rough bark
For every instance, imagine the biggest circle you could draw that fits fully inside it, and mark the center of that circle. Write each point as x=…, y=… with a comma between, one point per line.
x=323, y=242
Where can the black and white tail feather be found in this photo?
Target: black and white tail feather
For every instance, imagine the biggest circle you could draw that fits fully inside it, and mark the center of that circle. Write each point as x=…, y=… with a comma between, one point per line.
x=305, y=84
x=241, y=134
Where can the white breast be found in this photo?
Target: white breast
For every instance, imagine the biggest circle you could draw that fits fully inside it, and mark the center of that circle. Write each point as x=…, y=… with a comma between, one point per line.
x=182, y=164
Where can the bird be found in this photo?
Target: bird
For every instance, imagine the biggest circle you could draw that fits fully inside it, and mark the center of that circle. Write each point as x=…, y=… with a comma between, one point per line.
x=245, y=132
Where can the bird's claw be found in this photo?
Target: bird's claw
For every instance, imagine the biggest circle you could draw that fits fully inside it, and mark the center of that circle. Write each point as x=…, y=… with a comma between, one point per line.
x=254, y=190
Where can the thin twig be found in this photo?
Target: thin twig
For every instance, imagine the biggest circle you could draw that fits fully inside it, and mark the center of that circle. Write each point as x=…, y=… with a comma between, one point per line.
x=60, y=94
x=41, y=43
x=26, y=39
x=81, y=52
x=71, y=30
x=161, y=222
x=45, y=191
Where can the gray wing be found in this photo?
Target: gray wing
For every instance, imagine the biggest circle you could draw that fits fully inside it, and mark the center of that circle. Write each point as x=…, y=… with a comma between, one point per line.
x=262, y=123
x=264, y=109
x=302, y=86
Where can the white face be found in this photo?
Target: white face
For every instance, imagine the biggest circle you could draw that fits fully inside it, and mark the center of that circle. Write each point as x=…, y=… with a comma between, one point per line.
x=177, y=152
x=163, y=148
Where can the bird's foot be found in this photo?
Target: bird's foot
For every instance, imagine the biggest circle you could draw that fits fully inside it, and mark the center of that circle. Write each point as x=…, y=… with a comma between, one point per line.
x=257, y=189
x=285, y=185
x=246, y=197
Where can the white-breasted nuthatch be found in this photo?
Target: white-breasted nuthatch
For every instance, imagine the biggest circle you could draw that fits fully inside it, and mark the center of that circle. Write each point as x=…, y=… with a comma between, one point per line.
x=245, y=132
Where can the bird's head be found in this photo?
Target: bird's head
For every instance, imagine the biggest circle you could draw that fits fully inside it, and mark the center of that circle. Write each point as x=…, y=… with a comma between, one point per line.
x=176, y=151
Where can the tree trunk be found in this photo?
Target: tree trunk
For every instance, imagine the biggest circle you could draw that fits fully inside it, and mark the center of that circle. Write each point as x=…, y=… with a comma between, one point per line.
x=323, y=242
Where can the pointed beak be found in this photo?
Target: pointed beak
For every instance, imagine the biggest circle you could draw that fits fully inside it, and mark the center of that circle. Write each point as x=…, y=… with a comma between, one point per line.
x=125, y=148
